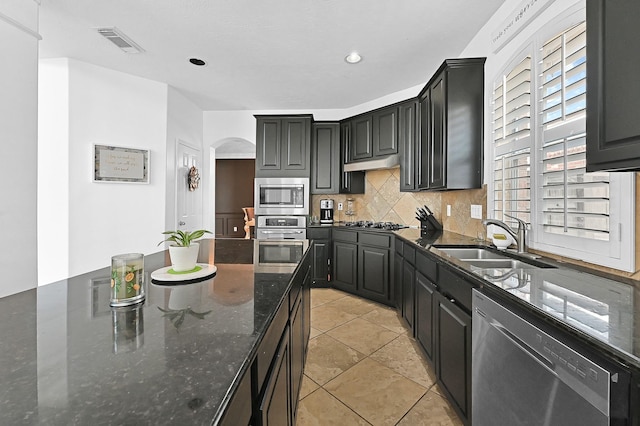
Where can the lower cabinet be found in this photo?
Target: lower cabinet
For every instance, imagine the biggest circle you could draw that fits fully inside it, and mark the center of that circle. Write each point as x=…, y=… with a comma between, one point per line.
x=426, y=293
x=275, y=405
x=408, y=293
x=453, y=353
x=320, y=255
x=373, y=273
x=397, y=279
x=345, y=266
x=297, y=353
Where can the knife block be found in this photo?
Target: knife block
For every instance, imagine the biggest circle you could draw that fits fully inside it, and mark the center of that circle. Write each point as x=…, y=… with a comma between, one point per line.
x=429, y=227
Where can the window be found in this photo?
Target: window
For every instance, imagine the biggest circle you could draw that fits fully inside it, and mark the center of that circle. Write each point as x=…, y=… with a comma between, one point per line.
x=539, y=145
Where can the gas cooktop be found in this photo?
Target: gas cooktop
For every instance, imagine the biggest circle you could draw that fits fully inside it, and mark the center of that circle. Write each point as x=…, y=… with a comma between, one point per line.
x=390, y=226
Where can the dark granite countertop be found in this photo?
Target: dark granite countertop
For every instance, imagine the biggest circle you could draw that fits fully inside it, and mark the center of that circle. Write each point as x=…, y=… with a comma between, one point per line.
x=600, y=309
x=68, y=358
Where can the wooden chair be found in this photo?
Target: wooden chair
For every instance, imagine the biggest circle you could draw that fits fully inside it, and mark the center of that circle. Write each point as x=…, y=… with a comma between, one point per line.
x=249, y=221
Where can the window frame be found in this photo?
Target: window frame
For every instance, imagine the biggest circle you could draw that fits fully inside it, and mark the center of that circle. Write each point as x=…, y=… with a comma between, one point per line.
x=619, y=251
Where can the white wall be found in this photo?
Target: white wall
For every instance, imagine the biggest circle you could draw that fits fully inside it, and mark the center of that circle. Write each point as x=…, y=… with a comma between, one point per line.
x=113, y=108
x=184, y=122
x=18, y=149
x=53, y=170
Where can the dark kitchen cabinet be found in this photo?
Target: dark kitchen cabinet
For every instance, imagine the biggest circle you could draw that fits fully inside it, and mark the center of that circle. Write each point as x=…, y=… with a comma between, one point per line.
x=297, y=353
x=426, y=292
x=385, y=131
x=453, y=357
x=361, y=137
x=408, y=293
x=407, y=138
x=373, y=273
x=613, y=95
x=275, y=405
x=238, y=411
x=451, y=126
x=350, y=182
x=320, y=255
x=345, y=266
x=397, y=275
x=325, y=158
x=283, y=146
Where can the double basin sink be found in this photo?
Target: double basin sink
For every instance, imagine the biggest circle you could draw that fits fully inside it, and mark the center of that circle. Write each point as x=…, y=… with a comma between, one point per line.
x=484, y=258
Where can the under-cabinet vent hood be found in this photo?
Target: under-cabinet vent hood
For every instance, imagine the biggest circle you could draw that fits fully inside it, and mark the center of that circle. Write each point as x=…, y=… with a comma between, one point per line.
x=387, y=162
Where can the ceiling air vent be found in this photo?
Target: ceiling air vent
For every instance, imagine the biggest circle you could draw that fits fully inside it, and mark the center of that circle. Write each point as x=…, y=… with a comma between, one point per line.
x=116, y=37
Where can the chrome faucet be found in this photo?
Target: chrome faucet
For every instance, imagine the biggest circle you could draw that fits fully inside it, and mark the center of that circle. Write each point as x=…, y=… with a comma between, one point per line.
x=519, y=237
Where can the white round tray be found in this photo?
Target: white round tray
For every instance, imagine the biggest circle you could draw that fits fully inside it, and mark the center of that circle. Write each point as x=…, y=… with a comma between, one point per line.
x=162, y=275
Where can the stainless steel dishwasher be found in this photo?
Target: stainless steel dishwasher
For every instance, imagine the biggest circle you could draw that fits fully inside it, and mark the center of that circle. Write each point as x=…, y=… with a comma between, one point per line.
x=521, y=375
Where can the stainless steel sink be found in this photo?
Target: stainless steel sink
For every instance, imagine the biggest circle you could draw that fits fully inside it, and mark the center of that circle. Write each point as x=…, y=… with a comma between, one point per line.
x=471, y=253
x=488, y=259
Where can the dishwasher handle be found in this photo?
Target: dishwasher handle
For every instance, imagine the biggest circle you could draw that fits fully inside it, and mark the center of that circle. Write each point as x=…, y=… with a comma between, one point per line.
x=535, y=355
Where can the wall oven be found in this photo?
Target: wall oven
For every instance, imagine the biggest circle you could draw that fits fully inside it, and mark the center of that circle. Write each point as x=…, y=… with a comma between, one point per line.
x=281, y=196
x=278, y=256
x=281, y=228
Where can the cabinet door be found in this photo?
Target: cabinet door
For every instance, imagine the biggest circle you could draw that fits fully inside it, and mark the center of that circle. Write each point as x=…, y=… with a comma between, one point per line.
x=422, y=154
x=320, y=261
x=268, y=154
x=325, y=158
x=397, y=282
x=296, y=136
x=361, y=137
x=453, y=353
x=306, y=306
x=350, y=182
x=408, y=290
x=407, y=145
x=297, y=354
x=613, y=95
x=275, y=405
x=373, y=273
x=425, y=293
x=385, y=132
x=437, y=147
x=345, y=266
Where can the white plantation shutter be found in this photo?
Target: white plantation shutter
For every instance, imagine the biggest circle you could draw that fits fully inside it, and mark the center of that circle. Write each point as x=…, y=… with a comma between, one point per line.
x=574, y=202
x=512, y=140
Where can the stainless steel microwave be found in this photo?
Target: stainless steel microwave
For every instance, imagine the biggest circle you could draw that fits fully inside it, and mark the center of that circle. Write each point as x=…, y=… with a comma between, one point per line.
x=281, y=196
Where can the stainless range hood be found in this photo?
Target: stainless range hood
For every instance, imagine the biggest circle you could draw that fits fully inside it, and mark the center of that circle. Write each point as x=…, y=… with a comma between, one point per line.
x=387, y=162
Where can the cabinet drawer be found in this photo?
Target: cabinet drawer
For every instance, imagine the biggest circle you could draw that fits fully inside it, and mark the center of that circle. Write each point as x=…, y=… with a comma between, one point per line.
x=343, y=235
x=314, y=233
x=410, y=254
x=455, y=286
x=269, y=344
x=427, y=267
x=378, y=240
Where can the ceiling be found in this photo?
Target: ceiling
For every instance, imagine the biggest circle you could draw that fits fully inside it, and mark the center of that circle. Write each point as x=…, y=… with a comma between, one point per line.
x=269, y=54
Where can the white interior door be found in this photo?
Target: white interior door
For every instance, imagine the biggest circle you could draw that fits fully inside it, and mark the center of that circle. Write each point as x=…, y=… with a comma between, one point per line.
x=188, y=203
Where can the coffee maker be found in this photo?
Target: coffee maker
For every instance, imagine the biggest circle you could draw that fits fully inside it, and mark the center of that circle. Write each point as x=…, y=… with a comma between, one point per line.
x=326, y=212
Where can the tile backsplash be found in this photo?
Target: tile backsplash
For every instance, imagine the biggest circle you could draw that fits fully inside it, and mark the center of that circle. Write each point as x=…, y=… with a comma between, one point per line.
x=383, y=201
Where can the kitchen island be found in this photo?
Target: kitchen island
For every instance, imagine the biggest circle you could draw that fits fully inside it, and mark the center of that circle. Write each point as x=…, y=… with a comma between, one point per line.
x=178, y=358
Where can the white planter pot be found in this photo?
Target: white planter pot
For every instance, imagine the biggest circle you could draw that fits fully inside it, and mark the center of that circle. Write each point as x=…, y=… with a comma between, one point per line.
x=184, y=258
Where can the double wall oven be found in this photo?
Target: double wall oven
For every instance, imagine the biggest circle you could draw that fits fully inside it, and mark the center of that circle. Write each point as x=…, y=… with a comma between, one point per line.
x=281, y=206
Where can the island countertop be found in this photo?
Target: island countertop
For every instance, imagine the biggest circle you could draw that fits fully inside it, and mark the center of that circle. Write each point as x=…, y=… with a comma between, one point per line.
x=67, y=357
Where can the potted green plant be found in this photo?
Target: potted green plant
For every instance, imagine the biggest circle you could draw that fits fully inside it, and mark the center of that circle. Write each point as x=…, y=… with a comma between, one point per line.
x=184, y=250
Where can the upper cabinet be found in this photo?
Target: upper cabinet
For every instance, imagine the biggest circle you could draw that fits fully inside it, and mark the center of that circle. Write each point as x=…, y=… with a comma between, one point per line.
x=613, y=95
x=350, y=182
x=451, y=127
x=283, y=146
x=325, y=158
x=385, y=131
x=407, y=146
x=361, y=137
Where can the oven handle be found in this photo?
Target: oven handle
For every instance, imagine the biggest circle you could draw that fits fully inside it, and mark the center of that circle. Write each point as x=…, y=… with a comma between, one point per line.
x=281, y=232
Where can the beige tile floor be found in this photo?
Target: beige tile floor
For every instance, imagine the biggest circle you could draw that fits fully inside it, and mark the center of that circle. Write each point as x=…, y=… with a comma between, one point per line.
x=363, y=369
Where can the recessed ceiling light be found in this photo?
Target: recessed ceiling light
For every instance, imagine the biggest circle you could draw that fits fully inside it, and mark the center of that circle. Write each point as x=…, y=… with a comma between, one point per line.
x=198, y=62
x=353, y=58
